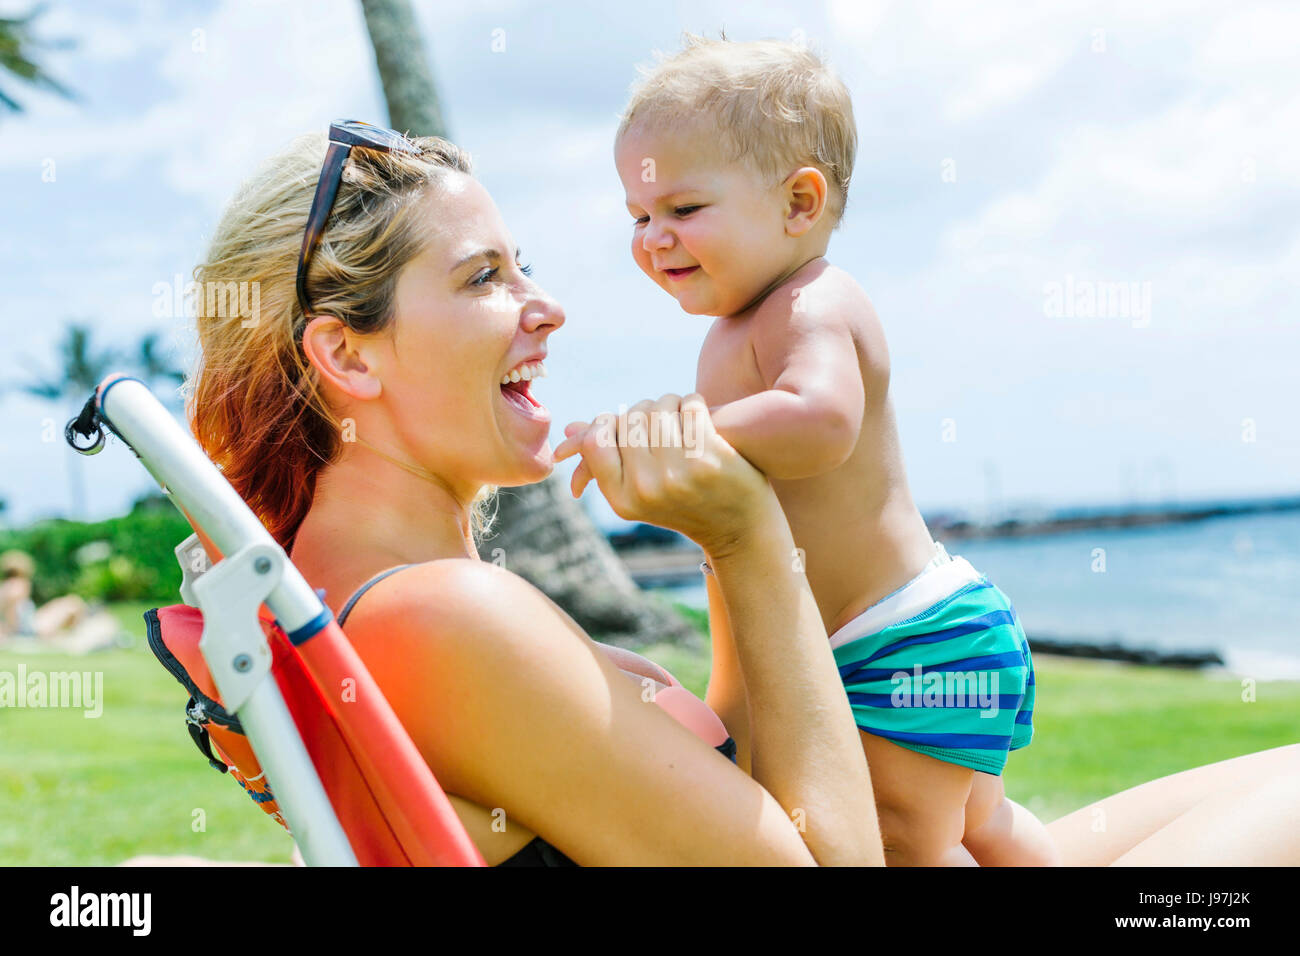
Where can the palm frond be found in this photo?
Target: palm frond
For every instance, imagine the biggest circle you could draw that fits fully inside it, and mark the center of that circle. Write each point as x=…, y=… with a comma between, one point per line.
x=17, y=45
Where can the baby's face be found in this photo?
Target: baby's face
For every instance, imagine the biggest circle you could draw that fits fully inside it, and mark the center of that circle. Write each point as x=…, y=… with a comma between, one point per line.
x=710, y=233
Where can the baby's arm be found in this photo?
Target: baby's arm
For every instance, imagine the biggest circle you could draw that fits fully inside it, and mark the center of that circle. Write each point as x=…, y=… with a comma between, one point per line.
x=806, y=421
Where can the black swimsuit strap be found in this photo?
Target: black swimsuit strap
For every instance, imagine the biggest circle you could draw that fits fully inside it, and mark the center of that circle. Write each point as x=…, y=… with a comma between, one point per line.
x=347, y=608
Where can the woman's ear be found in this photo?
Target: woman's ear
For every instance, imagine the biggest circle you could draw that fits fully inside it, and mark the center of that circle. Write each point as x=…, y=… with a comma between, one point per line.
x=805, y=200
x=332, y=349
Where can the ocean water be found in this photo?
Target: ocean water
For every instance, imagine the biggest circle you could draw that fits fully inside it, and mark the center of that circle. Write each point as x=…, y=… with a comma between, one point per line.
x=1228, y=584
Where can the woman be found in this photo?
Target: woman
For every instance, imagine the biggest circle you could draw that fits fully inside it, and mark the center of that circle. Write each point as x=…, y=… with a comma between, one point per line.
x=64, y=623
x=366, y=415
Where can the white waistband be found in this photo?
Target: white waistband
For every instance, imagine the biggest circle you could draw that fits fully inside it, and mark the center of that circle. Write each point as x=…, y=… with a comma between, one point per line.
x=924, y=591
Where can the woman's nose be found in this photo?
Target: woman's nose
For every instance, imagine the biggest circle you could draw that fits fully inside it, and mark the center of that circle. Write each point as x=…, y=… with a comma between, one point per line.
x=542, y=312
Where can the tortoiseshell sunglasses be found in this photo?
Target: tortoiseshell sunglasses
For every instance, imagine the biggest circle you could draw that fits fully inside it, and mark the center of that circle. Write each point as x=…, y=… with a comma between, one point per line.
x=344, y=135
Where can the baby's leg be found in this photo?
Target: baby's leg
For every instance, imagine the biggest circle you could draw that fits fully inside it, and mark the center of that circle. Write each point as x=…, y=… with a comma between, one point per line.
x=986, y=796
x=1000, y=832
x=921, y=803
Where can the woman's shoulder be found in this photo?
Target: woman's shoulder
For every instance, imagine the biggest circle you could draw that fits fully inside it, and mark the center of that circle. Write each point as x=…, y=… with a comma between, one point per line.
x=450, y=599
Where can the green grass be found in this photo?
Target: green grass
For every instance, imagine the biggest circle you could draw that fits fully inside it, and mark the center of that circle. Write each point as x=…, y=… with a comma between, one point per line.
x=76, y=790
x=1101, y=728
x=85, y=791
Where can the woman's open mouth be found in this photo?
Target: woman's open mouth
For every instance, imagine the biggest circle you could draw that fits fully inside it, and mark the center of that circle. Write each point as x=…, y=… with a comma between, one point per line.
x=518, y=395
x=681, y=273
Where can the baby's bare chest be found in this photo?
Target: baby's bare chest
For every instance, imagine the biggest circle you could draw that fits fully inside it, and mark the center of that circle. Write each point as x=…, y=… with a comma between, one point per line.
x=727, y=370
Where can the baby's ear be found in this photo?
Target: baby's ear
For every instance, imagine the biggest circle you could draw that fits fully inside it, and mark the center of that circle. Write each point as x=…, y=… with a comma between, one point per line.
x=805, y=200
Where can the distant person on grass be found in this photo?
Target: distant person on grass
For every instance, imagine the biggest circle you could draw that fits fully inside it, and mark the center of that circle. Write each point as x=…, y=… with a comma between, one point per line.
x=66, y=620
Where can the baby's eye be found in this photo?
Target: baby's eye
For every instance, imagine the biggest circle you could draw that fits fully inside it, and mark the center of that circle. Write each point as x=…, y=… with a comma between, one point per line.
x=526, y=269
x=686, y=210
x=641, y=220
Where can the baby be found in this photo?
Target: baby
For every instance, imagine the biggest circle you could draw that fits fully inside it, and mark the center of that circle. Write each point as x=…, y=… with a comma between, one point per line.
x=735, y=159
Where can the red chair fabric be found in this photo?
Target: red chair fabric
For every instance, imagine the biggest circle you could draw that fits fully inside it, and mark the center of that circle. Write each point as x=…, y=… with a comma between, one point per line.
x=386, y=798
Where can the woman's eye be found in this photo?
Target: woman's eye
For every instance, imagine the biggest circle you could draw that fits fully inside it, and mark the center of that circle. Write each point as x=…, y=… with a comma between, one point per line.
x=488, y=275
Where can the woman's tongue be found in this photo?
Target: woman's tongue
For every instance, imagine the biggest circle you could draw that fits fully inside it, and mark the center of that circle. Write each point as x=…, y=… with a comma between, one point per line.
x=519, y=395
x=516, y=390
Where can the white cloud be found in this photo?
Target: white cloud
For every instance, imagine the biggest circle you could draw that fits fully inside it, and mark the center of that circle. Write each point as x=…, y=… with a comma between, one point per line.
x=225, y=97
x=1254, y=37
x=1000, y=84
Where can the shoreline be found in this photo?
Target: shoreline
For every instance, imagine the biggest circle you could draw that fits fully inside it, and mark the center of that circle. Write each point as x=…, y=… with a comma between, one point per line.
x=958, y=527
x=1259, y=669
x=1112, y=650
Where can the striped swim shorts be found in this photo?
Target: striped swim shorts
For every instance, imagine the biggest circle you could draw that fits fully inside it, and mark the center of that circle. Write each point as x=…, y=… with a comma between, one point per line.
x=941, y=667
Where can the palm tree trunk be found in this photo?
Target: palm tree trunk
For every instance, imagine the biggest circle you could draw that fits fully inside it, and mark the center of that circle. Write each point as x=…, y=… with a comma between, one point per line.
x=412, y=98
x=547, y=539
x=542, y=533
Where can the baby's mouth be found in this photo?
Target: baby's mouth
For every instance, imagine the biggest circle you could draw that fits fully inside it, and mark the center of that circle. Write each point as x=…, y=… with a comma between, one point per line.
x=681, y=273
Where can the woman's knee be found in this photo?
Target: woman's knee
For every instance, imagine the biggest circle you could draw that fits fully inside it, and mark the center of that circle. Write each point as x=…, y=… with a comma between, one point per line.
x=1250, y=823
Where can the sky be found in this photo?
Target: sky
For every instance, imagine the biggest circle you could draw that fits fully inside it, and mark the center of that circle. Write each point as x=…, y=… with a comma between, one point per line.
x=1019, y=167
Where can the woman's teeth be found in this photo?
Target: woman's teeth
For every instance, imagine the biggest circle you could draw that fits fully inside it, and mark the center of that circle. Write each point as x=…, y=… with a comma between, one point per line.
x=525, y=373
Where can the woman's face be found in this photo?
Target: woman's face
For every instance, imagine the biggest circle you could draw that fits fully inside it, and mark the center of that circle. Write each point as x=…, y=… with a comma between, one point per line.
x=466, y=318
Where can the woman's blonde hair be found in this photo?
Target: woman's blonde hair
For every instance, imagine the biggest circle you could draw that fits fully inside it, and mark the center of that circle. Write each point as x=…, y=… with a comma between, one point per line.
x=254, y=401
x=772, y=104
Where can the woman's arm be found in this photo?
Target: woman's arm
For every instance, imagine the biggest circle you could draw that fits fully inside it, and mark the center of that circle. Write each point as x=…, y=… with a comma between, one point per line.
x=804, y=745
x=520, y=713
x=726, y=693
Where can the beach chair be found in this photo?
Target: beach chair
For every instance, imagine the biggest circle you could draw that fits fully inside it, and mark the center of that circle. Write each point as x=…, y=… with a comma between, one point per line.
x=278, y=697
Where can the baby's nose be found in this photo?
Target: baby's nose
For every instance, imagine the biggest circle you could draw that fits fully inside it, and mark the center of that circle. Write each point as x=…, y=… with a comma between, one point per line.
x=656, y=237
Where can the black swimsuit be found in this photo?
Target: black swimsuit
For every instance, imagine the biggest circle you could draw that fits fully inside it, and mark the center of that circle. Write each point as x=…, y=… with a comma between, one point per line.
x=537, y=852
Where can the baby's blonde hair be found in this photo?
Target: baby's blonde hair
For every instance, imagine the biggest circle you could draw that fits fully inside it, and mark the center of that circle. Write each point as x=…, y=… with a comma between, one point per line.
x=770, y=103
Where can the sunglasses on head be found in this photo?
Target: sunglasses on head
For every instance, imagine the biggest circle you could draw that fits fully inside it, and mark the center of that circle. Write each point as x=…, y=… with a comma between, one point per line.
x=344, y=136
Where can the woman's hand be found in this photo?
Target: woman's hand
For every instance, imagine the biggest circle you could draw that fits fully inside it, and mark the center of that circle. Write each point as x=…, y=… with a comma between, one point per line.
x=663, y=463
